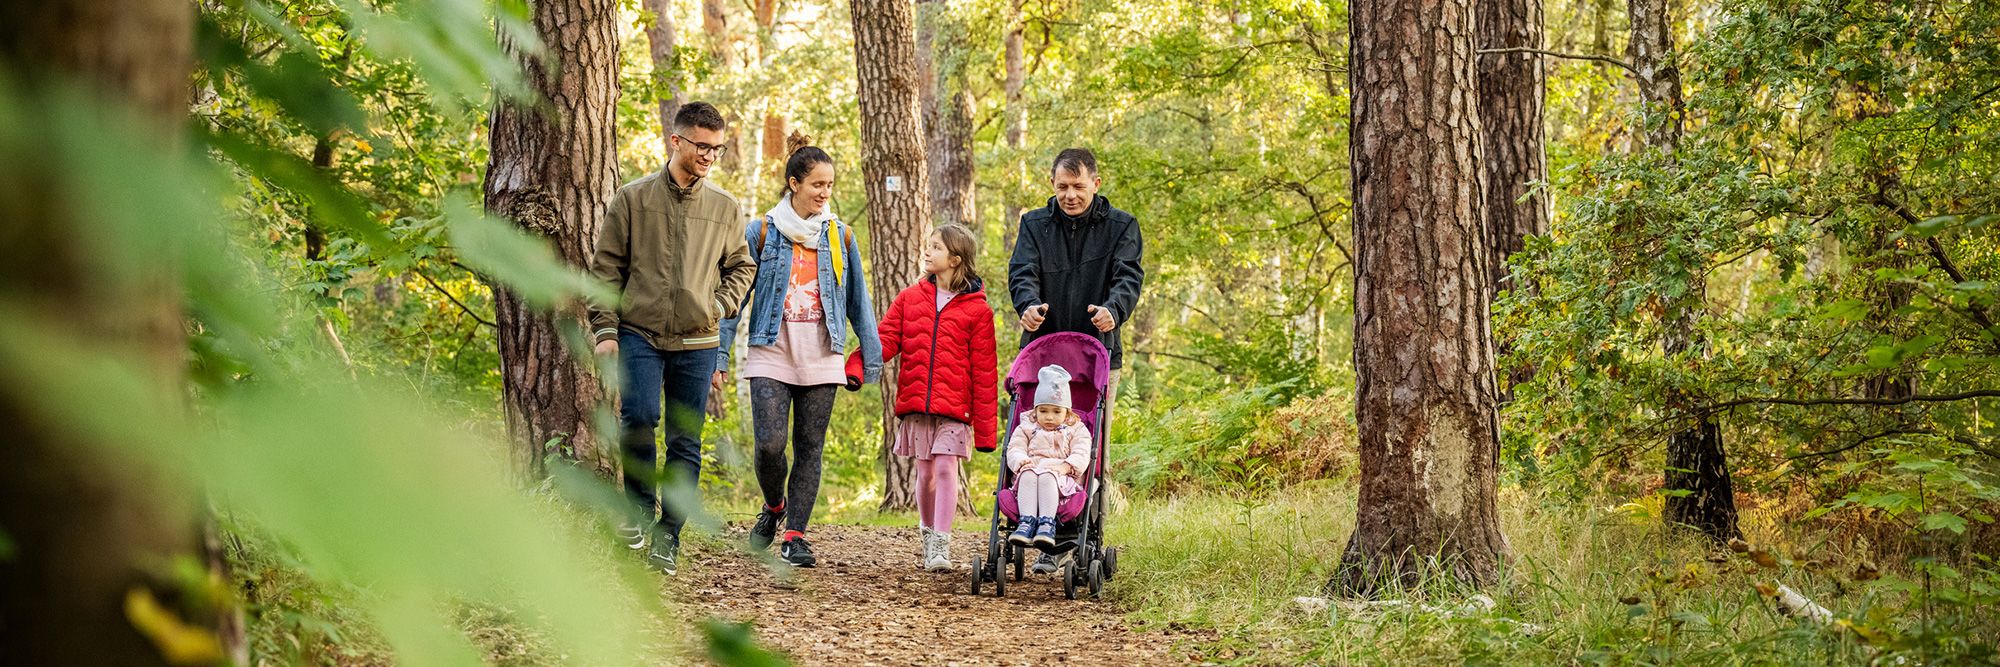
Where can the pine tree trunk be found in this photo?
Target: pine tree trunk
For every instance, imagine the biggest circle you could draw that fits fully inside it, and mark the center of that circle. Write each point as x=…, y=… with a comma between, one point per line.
x=947, y=110
x=1512, y=88
x=551, y=170
x=1423, y=356
x=1017, y=122
x=661, y=40
x=1696, y=462
x=723, y=57
x=892, y=149
x=89, y=524
x=1511, y=92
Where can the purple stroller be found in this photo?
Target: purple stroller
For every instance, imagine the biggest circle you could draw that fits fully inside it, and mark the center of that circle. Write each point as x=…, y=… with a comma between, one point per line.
x=1080, y=518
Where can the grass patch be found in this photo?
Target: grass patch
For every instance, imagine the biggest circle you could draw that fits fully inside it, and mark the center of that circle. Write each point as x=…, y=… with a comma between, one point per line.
x=1587, y=585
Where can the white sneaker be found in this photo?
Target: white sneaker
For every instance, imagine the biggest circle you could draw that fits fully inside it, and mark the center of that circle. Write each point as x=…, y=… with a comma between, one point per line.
x=930, y=541
x=939, y=557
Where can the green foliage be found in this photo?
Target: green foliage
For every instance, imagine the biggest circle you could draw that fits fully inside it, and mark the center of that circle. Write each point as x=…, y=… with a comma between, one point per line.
x=1832, y=198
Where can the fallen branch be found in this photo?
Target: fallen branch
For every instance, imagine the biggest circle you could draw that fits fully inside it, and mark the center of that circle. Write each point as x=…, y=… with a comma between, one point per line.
x=1336, y=611
x=1795, y=604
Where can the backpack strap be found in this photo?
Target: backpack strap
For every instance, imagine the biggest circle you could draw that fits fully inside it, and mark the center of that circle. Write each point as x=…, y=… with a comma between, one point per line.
x=833, y=238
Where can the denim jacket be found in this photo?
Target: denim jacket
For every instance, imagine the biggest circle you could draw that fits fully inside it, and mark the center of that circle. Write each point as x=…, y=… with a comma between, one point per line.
x=845, y=300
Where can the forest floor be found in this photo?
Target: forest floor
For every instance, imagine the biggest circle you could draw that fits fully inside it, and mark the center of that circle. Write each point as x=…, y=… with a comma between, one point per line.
x=868, y=603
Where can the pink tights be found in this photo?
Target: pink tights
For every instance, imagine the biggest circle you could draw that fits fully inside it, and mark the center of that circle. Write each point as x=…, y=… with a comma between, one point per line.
x=937, y=491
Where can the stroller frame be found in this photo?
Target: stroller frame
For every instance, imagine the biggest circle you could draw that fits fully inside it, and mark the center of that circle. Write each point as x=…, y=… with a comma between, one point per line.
x=1090, y=563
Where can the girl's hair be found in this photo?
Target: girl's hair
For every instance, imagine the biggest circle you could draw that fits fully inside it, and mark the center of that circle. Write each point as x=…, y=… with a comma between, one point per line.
x=959, y=241
x=805, y=156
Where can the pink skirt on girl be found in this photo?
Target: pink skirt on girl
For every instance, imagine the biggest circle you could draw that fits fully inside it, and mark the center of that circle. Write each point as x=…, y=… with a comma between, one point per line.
x=924, y=436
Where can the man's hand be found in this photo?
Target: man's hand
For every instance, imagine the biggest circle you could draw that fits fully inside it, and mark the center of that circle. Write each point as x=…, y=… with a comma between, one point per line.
x=1031, y=319
x=1101, y=318
x=716, y=383
x=606, y=348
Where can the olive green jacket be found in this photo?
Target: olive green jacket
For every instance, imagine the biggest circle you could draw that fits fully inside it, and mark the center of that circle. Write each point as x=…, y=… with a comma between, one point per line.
x=678, y=260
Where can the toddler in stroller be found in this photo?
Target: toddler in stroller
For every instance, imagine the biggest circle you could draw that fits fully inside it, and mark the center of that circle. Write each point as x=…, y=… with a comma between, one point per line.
x=1051, y=491
x=1048, y=455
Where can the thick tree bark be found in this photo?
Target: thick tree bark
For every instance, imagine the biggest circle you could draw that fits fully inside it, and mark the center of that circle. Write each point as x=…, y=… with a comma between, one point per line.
x=1696, y=462
x=947, y=110
x=660, y=38
x=1017, y=119
x=91, y=522
x=892, y=149
x=551, y=170
x=722, y=54
x=1511, y=91
x=1423, y=355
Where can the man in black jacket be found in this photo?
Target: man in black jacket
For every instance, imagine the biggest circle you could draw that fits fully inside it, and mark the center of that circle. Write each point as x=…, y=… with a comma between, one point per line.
x=1076, y=262
x=1076, y=268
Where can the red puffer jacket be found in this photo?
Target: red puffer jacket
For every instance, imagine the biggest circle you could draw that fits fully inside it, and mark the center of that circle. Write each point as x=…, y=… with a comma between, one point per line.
x=949, y=368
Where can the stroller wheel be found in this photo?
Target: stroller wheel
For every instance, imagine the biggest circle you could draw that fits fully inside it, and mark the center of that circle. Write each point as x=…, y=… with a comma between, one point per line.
x=1111, y=563
x=1069, y=579
x=1096, y=579
x=999, y=578
x=1020, y=561
x=978, y=570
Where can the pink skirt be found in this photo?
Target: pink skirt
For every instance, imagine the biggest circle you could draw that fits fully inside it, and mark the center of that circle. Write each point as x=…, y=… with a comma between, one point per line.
x=924, y=436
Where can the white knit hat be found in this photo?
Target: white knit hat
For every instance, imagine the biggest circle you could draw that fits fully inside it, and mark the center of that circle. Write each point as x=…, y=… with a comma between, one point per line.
x=1052, y=387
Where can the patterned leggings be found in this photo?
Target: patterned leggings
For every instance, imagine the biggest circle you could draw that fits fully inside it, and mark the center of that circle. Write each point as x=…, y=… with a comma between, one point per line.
x=774, y=406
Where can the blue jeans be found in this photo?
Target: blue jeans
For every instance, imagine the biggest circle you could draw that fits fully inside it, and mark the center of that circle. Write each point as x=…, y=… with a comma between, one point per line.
x=683, y=377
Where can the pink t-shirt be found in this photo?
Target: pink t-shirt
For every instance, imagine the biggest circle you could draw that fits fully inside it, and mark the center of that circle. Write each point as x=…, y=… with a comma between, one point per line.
x=803, y=353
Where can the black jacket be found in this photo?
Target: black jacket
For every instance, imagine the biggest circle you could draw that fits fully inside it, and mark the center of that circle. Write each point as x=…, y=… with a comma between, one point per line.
x=1072, y=264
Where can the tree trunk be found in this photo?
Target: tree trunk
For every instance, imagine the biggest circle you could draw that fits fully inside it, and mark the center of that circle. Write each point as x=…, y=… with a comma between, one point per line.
x=551, y=170
x=722, y=54
x=660, y=38
x=1425, y=398
x=892, y=166
x=947, y=110
x=1017, y=122
x=1696, y=462
x=1511, y=90
x=89, y=523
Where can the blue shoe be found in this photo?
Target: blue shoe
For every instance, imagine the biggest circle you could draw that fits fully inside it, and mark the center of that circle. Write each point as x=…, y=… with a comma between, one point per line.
x=1024, y=534
x=1045, y=532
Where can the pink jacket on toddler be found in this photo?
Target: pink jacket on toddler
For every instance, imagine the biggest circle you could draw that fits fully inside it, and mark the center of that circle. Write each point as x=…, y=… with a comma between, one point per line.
x=1031, y=445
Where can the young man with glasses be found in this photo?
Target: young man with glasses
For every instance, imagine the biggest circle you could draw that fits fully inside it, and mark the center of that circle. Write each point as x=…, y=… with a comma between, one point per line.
x=672, y=246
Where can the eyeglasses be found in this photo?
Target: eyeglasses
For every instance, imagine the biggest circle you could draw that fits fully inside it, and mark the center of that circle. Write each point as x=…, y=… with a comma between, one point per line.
x=706, y=150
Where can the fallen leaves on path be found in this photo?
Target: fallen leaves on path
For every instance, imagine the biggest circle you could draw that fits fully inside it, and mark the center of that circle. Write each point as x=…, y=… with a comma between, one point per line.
x=868, y=603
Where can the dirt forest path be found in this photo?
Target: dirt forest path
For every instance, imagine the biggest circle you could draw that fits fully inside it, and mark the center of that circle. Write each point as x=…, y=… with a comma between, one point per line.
x=867, y=603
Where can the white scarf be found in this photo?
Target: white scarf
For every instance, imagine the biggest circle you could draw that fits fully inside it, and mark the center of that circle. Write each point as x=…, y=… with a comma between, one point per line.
x=800, y=231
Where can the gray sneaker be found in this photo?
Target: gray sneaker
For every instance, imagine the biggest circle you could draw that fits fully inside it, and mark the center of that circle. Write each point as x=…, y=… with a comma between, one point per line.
x=666, y=555
x=797, y=552
x=1046, y=564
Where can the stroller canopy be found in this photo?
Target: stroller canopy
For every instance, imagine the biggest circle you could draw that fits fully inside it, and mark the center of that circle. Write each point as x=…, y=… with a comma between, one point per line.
x=1088, y=363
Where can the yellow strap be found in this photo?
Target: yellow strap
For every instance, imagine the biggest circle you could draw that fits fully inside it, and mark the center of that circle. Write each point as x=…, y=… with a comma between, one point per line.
x=833, y=241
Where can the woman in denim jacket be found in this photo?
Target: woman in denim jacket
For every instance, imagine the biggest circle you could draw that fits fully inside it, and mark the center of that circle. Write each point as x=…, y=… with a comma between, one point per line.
x=809, y=293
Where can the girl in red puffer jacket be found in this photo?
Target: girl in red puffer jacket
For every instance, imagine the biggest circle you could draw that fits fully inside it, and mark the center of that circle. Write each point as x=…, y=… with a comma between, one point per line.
x=947, y=392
